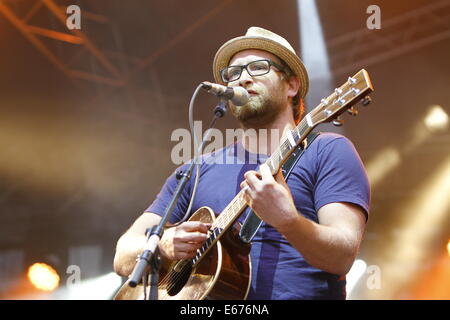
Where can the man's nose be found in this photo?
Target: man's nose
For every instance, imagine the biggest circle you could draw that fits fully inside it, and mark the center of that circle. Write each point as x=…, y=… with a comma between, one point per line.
x=245, y=78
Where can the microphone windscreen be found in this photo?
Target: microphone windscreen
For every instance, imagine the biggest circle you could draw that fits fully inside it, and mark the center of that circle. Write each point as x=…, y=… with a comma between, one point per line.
x=240, y=97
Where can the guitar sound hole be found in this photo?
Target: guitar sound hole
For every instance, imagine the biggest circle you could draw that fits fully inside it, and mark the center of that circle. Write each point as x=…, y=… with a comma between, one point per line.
x=178, y=280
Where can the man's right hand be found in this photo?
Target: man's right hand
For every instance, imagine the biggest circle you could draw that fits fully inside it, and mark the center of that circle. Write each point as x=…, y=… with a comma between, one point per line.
x=182, y=242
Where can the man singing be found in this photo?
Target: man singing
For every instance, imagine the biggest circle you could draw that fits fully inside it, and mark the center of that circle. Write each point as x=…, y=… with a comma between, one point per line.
x=313, y=223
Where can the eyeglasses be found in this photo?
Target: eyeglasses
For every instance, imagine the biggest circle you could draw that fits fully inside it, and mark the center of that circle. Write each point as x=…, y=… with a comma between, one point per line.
x=254, y=68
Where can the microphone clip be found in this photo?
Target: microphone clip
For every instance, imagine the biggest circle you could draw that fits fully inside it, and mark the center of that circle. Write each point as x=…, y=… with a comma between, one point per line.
x=221, y=108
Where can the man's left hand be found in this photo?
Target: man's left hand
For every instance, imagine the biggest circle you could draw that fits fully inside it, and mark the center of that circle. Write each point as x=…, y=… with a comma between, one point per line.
x=269, y=197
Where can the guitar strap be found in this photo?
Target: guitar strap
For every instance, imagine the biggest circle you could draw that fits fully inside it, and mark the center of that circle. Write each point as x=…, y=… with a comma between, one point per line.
x=252, y=221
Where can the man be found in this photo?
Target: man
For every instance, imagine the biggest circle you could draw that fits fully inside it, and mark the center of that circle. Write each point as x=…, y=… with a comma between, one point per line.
x=313, y=223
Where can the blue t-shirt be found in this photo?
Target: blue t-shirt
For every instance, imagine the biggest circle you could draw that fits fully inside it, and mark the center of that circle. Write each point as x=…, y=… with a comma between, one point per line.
x=330, y=170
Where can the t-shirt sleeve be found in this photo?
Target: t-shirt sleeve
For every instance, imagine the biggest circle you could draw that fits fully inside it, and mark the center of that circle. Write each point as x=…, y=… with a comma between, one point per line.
x=164, y=196
x=341, y=176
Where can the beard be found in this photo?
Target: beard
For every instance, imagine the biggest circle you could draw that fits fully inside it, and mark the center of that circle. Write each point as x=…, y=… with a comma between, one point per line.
x=261, y=110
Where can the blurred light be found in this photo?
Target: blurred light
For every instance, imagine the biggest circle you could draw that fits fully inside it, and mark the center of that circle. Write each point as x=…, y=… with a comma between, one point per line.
x=43, y=277
x=315, y=57
x=314, y=51
x=390, y=158
x=423, y=223
x=382, y=164
x=100, y=288
x=448, y=247
x=436, y=119
x=434, y=282
x=355, y=273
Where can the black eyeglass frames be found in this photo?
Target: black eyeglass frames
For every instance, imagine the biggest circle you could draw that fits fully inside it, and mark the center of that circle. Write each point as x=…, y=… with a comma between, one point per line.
x=254, y=68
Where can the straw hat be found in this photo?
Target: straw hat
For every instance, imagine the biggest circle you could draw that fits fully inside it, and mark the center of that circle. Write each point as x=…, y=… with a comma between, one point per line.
x=262, y=39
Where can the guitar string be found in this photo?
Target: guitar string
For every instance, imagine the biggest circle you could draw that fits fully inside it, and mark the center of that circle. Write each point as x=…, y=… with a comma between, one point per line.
x=171, y=279
x=173, y=276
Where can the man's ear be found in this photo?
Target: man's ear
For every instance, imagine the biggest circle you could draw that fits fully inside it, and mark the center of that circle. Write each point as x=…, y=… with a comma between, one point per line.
x=293, y=86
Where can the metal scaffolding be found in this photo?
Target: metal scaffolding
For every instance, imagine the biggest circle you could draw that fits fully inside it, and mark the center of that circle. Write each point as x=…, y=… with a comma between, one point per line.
x=76, y=37
x=398, y=35
x=114, y=77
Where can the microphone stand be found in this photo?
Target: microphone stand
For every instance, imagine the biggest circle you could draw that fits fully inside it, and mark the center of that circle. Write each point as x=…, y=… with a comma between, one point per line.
x=149, y=261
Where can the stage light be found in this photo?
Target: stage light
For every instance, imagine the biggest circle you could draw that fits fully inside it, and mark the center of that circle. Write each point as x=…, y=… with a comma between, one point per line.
x=314, y=53
x=43, y=277
x=436, y=119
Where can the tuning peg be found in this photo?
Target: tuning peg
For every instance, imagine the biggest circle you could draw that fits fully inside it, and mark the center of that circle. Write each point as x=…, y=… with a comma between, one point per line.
x=353, y=111
x=366, y=100
x=356, y=91
x=338, y=91
x=338, y=122
x=341, y=101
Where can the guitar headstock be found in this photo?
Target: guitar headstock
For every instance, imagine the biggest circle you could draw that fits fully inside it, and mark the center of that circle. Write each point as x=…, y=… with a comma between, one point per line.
x=355, y=89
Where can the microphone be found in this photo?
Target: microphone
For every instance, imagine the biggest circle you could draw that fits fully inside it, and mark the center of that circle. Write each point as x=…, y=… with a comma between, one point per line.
x=238, y=95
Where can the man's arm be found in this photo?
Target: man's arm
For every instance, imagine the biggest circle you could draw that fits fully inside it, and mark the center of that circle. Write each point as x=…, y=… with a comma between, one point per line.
x=179, y=242
x=332, y=244
x=132, y=243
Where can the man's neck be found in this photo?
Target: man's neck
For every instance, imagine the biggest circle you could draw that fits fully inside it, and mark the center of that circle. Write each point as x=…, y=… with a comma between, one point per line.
x=265, y=139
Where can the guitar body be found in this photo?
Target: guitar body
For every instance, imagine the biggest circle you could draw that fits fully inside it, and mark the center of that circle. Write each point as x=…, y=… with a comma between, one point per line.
x=224, y=273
